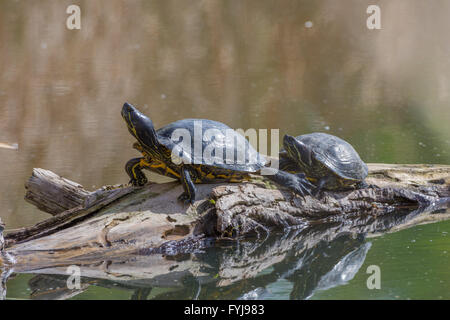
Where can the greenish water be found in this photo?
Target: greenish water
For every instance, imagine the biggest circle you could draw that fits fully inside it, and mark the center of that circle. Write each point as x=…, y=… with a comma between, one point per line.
x=414, y=264
x=249, y=64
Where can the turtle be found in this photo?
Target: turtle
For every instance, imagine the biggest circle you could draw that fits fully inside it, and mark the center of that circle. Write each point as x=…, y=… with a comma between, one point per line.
x=198, y=151
x=327, y=161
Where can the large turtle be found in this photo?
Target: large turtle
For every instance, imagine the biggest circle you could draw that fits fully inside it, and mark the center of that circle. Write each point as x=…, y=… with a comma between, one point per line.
x=328, y=161
x=198, y=151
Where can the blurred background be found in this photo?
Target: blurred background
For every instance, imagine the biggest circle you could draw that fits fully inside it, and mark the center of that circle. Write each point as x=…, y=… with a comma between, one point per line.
x=298, y=66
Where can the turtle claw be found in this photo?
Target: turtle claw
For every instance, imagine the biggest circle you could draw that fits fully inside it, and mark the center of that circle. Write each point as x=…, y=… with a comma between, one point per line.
x=303, y=187
x=185, y=198
x=140, y=182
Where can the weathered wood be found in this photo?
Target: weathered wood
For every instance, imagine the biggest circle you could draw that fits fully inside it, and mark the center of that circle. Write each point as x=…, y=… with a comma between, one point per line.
x=90, y=203
x=432, y=180
x=124, y=221
x=52, y=193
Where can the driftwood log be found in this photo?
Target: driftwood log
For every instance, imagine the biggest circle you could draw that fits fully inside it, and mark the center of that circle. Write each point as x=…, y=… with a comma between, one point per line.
x=124, y=233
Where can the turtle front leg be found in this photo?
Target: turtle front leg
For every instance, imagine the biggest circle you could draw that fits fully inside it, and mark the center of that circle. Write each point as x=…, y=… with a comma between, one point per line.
x=134, y=170
x=297, y=183
x=323, y=183
x=188, y=196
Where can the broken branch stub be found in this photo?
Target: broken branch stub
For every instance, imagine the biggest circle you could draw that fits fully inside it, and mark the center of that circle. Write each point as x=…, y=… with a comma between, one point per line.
x=52, y=193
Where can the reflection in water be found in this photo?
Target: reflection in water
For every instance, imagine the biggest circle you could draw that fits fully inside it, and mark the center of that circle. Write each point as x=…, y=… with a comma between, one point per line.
x=4, y=276
x=52, y=287
x=302, y=261
x=310, y=268
x=345, y=270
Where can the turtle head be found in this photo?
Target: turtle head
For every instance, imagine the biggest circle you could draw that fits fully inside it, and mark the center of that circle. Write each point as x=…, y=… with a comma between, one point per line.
x=297, y=151
x=140, y=126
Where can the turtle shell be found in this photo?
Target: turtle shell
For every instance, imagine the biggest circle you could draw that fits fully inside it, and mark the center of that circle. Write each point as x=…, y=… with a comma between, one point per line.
x=208, y=142
x=336, y=154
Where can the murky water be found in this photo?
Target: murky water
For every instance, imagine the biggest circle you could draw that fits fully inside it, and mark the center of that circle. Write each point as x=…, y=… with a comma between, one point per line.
x=249, y=64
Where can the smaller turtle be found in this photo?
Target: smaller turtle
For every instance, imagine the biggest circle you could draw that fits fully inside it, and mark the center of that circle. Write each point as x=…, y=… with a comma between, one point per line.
x=328, y=161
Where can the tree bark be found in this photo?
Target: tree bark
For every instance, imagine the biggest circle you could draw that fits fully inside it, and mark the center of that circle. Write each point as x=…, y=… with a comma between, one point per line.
x=120, y=221
x=53, y=194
